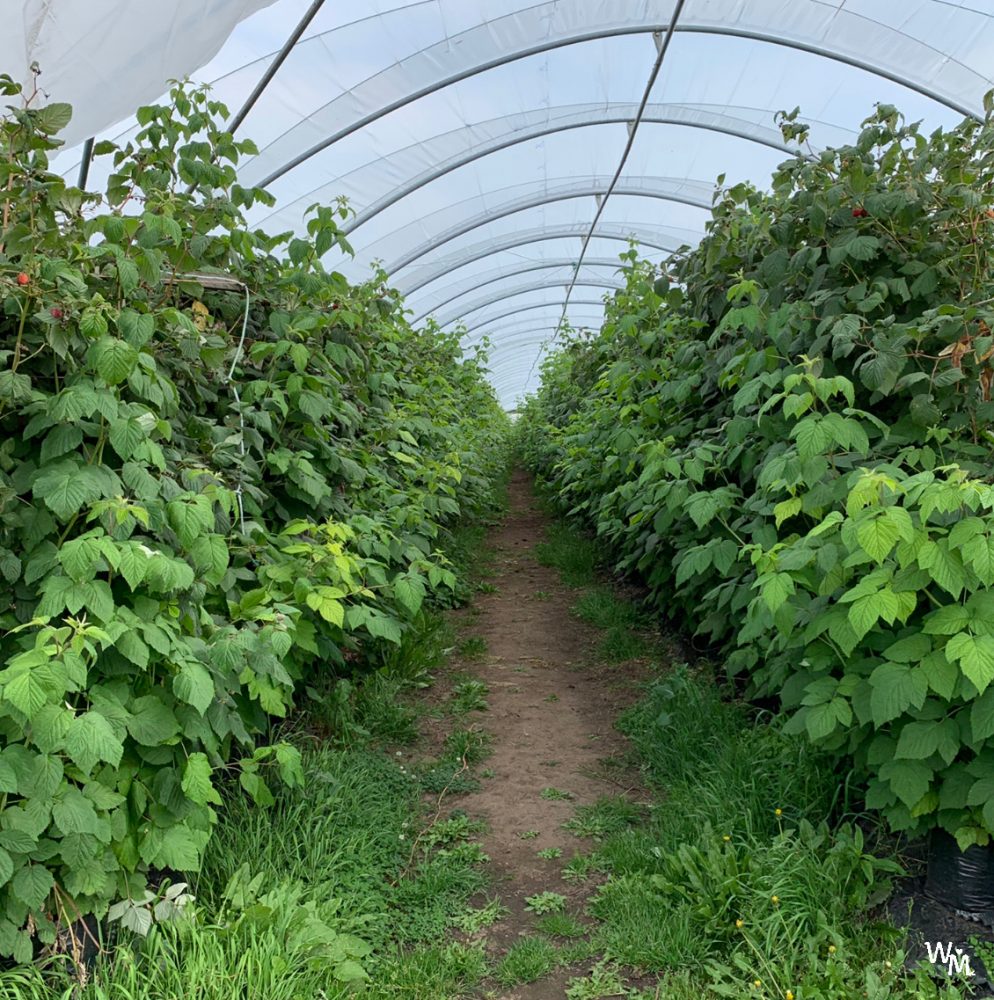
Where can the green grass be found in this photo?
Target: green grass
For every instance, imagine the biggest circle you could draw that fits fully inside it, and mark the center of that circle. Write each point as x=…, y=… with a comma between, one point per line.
x=469, y=696
x=545, y=902
x=607, y=815
x=562, y=925
x=555, y=794
x=333, y=881
x=472, y=648
x=713, y=889
x=573, y=554
x=526, y=961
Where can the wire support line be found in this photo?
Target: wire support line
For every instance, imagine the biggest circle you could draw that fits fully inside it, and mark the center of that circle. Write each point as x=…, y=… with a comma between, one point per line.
x=664, y=45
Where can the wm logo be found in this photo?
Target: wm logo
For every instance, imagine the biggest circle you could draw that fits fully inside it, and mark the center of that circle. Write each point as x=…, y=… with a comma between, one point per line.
x=954, y=960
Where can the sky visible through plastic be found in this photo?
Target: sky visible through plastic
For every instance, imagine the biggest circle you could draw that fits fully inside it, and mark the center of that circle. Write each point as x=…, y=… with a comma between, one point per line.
x=473, y=137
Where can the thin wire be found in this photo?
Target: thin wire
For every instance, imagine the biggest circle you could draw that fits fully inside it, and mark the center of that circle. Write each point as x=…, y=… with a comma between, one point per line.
x=633, y=130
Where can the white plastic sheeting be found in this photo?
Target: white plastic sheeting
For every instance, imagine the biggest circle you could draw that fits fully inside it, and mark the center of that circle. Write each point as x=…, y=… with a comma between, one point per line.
x=472, y=137
x=108, y=57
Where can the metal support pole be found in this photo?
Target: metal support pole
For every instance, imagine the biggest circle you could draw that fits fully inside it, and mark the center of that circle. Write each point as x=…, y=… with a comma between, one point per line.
x=84, y=166
x=275, y=65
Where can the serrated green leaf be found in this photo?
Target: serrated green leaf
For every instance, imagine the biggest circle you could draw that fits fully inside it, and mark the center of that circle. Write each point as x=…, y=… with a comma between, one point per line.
x=210, y=556
x=66, y=487
x=410, y=593
x=126, y=436
x=74, y=813
x=776, y=589
x=197, y=785
x=194, y=685
x=910, y=779
x=895, y=688
x=113, y=359
x=151, y=722
x=975, y=655
x=6, y=867
x=32, y=884
x=90, y=739
x=26, y=693
x=133, y=565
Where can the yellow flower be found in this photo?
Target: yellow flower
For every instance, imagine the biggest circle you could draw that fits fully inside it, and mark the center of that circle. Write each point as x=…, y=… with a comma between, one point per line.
x=739, y=924
x=726, y=838
x=775, y=900
x=831, y=949
x=789, y=995
x=757, y=983
x=777, y=812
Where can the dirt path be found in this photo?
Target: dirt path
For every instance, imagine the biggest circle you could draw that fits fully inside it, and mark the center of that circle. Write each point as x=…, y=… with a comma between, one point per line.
x=552, y=709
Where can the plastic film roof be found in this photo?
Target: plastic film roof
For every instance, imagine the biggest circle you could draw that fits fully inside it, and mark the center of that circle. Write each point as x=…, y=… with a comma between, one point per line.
x=476, y=139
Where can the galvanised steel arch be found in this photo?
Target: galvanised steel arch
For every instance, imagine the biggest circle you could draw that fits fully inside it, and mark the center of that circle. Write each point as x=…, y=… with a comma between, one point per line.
x=455, y=315
x=532, y=195
x=500, y=274
x=476, y=141
x=499, y=41
x=514, y=312
x=654, y=237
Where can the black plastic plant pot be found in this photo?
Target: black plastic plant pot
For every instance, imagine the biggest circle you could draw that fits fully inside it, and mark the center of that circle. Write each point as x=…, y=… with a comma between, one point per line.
x=962, y=880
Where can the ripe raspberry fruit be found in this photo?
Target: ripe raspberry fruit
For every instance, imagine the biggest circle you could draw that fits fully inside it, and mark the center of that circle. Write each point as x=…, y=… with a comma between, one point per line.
x=23, y=279
x=859, y=213
x=56, y=312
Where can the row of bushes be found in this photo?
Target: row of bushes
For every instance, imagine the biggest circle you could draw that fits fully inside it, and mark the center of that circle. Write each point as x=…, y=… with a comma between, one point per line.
x=789, y=438
x=224, y=471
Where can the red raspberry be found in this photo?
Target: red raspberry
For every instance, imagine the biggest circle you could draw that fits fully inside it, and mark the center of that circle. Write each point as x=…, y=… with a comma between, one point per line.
x=23, y=279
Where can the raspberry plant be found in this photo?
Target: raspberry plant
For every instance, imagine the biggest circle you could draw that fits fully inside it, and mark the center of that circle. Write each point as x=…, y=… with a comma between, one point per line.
x=223, y=471
x=789, y=438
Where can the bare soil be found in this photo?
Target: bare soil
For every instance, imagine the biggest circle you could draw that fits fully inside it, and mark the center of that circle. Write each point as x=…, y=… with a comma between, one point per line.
x=552, y=709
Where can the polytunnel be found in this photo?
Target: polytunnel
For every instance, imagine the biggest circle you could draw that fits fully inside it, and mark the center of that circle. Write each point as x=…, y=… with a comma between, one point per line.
x=498, y=155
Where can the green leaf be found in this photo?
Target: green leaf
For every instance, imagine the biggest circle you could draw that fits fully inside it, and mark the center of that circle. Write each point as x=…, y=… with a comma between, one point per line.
x=52, y=118
x=786, y=509
x=133, y=565
x=113, y=359
x=32, y=884
x=877, y=535
x=126, y=436
x=866, y=611
x=982, y=716
x=74, y=813
x=66, y=487
x=194, y=685
x=975, y=655
x=26, y=693
x=410, y=593
x=190, y=518
x=181, y=848
x=350, y=971
x=910, y=779
x=325, y=601
x=895, y=688
x=196, y=784
x=918, y=740
x=210, y=556
x=776, y=588
x=90, y=739
x=79, y=557
x=151, y=723
x=944, y=565
x=131, y=645
x=980, y=555
x=6, y=867
x=814, y=436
